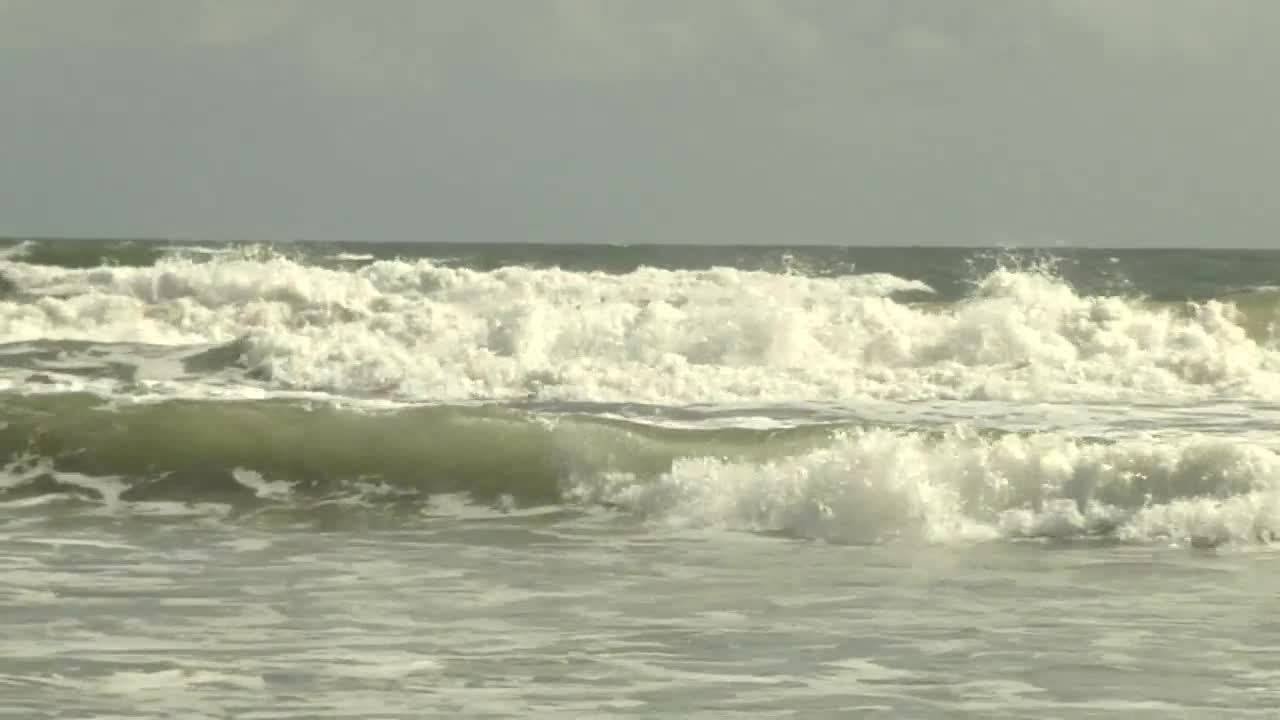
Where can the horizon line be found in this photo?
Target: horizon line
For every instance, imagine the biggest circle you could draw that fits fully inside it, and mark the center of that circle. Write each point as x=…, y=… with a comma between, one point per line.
x=4, y=239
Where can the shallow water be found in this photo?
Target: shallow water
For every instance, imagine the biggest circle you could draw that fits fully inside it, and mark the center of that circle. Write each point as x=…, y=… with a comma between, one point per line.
x=564, y=614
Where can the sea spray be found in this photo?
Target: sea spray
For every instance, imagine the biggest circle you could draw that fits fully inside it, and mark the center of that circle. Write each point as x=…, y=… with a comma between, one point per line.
x=416, y=330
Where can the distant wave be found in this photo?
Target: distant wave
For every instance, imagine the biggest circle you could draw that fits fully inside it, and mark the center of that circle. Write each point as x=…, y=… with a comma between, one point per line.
x=16, y=251
x=416, y=330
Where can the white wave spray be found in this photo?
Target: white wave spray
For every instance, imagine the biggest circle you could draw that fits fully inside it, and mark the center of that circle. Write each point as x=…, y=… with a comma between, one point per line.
x=881, y=485
x=417, y=330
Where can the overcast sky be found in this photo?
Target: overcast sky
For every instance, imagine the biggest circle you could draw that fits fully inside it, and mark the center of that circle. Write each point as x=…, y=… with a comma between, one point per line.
x=1082, y=122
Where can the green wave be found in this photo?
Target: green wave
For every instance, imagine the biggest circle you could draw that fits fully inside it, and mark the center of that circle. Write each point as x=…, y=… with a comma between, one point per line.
x=190, y=450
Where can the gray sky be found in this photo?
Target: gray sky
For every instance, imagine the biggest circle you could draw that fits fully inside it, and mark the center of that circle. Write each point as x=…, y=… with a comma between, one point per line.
x=1102, y=122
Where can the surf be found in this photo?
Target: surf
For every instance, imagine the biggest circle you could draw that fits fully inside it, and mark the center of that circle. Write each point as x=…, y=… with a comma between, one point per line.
x=838, y=481
x=419, y=330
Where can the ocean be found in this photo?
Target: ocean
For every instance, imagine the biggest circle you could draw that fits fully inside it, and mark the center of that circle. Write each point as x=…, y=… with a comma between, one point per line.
x=419, y=480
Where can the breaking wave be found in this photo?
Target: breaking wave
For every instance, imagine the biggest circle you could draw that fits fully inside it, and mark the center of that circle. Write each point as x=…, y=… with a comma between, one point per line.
x=844, y=482
x=871, y=407
x=417, y=330
x=877, y=485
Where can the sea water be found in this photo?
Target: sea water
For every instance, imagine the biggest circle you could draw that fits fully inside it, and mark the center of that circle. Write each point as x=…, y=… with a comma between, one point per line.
x=428, y=480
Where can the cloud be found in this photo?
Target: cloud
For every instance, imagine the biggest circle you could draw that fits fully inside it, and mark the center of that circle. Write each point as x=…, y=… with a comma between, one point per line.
x=35, y=24
x=1203, y=30
x=230, y=23
x=657, y=35
x=392, y=42
x=406, y=45
x=638, y=119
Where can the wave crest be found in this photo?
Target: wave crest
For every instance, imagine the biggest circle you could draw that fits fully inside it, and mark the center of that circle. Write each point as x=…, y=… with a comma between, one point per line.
x=417, y=330
x=878, y=485
x=845, y=482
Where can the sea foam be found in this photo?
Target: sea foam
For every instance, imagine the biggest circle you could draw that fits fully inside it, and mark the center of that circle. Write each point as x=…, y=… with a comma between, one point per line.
x=880, y=485
x=417, y=330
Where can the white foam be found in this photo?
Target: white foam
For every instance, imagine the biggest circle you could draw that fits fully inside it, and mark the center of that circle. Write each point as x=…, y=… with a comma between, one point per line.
x=263, y=488
x=161, y=681
x=24, y=469
x=17, y=251
x=879, y=485
x=417, y=330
